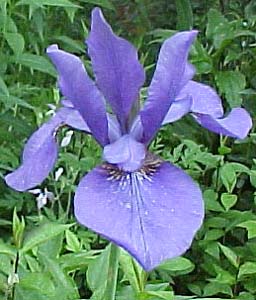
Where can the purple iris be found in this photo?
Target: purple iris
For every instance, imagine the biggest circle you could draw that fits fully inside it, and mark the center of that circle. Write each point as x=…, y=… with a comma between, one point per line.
x=149, y=207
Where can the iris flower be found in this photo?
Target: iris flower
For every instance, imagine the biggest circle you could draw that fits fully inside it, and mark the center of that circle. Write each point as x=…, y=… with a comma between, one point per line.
x=146, y=205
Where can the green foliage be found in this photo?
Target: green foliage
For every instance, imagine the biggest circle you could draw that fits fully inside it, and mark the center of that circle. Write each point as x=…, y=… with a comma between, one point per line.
x=44, y=254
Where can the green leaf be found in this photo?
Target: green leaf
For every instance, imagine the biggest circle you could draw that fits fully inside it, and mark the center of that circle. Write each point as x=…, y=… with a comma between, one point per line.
x=52, y=247
x=179, y=265
x=35, y=62
x=7, y=249
x=18, y=227
x=77, y=261
x=250, y=226
x=159, y=295
x=73, y=45
x=3, y=87
x=201, y=59
x=15, y=41
x=41, y=3
x=65, y=285
x=214, y=234
x=184, y=15
x=245, y=296
x=228, y=177
x=104, y=3
x=40, y=284
x=214, y=288
x=211, y=202
x=193, y=298
x=129, y=268
x=219, y=29
x=102, y=274
x=215, y=18
x=4, y=222
x=213, y=249
x=11, y=101
x=73, y=243
x=253, y=178
x=223, y=276
x=42, y=234
x=250, y=11
x=231, y=84
x=216, y=222
x=7, y=24
x=228, y=200
x=230, y=255
x=247, y=268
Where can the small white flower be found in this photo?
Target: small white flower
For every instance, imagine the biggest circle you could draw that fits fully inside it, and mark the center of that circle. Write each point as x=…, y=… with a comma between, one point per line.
x=66, y=140
x=49, y=195
x=43, y=197
x=243, y=43
x=41, y=200
x=35, y=191
x=52, y=110
x=58, y=173
x=13, y=278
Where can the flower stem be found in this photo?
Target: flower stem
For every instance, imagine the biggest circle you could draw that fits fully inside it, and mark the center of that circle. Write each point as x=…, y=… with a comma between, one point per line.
x=110, y=293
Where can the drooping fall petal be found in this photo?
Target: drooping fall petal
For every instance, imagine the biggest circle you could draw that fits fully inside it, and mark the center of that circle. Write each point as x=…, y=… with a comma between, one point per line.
x=236, y=124
x=41, y=150
x=208, y=111
x=205, y=100
x=178, y=109
x=153, y=216
x=39, y=156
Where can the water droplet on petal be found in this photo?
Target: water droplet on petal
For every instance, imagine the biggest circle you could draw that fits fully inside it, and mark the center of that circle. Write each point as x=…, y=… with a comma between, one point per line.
x=128, y=205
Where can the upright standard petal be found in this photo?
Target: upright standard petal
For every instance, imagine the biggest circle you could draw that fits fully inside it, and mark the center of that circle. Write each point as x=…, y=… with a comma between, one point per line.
x=208, y=111
x=118, y=71
x=76, y=85
x=236, y=124
x=156, y=211
x=39, y=157
x=171, y=69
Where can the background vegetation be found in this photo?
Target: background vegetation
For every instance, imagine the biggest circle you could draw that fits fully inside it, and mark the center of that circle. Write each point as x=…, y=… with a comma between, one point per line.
x=44, y=253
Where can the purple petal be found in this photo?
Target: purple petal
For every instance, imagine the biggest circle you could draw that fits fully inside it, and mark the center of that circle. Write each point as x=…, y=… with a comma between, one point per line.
x=114, y=130
x=73, y=118
x=153, y=216
x=76, y=86
x=205, y=99
x=178, y=109
x=126, y=152
x=118, y=72
x=136, y=130
x=67, y=103
x=189, y=73
x=39, y=157
x=167, y=81
x=237, y=123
